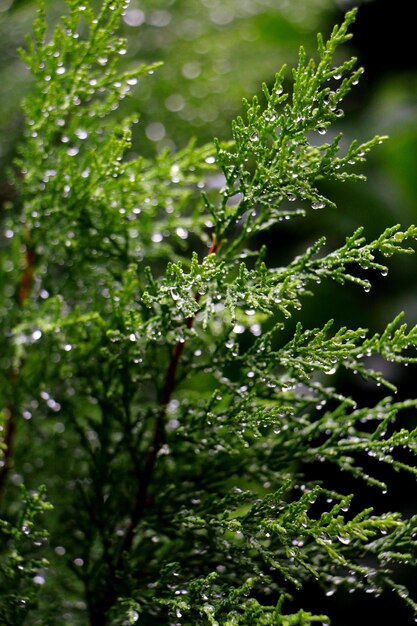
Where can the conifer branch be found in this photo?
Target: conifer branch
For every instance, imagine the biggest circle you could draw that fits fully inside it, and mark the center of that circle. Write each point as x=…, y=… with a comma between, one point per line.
x=201, y=529
x=145, y=480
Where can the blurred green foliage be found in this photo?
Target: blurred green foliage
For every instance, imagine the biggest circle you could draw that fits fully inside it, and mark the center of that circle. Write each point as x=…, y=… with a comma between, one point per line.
x=214, y=53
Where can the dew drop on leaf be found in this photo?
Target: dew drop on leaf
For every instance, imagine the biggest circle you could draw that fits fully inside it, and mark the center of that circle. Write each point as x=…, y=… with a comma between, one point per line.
x=81, y=133
x=318, y=205
x=343, y=539
x=38, y=580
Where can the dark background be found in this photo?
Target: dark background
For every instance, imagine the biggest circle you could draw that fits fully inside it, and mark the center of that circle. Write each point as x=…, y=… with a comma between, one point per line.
x=384, y=102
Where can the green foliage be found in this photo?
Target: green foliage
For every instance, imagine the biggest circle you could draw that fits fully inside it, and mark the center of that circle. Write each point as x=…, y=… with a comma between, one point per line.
x=21, y=570
x=203, y=46
x=173, y=406
x=273, y=157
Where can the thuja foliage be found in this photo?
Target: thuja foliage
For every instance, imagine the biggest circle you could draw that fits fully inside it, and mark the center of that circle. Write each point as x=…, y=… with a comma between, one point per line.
x=155, y=376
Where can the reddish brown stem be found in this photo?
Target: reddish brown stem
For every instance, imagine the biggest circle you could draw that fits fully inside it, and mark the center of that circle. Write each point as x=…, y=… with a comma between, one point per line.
x=10, y=422
x=27, y=277
x=179, y=347
x=9, y=427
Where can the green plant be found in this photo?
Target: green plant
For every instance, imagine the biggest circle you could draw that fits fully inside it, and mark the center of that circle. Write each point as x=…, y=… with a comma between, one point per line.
x=153, y=375
x=20, y=571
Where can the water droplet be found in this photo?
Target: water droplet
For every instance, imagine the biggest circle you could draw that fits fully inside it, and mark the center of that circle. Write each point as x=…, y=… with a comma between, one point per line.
x=181, y=232
x=318, y=205
x=256, y=330
x=321, y=131
x=157, y=237
x=276, y=296
x=38, y=580
x=133, y=616
x=73, y=151
x=81, y=133
x=164, y=451
x=270, y=117
x=343, y=539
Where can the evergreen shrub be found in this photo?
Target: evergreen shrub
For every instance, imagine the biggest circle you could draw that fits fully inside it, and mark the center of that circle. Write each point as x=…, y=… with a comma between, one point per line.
x=155, y=375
